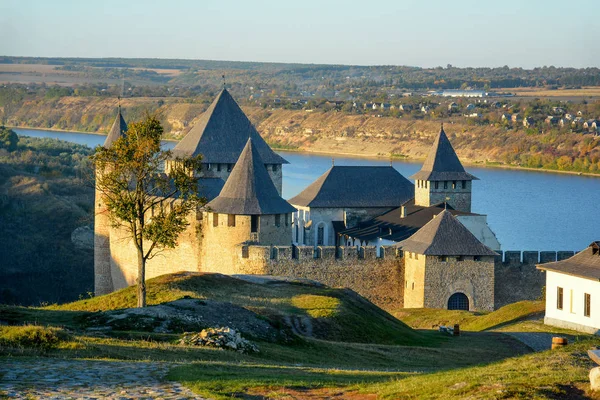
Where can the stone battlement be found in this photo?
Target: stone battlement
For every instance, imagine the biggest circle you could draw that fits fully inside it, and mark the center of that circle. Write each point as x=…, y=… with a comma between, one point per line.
x=288, y=253
x=511, y=257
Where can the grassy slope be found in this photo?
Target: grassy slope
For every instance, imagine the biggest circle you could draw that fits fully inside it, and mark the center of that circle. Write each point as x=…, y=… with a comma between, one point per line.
x=424, y=318
x=335, y=314
x=558, y=374
x=474, y=365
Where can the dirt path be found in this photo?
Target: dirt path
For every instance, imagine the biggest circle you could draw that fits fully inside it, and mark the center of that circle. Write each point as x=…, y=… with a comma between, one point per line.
x=47, y=378
x=537, y=341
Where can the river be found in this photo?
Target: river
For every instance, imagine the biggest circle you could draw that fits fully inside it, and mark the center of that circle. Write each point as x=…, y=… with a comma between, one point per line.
x=528, y=210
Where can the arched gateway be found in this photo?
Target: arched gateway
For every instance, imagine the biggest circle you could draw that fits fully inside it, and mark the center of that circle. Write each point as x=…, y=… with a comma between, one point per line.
x=458, y=301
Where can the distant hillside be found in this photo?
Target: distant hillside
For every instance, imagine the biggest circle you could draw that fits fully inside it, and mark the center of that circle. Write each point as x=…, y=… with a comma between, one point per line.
x=334, y=132
x=42, y=201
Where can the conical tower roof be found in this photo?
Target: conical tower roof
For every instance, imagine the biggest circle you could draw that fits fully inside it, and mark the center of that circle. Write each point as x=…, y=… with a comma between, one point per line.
x=445, y=235
x=249, y=189
x=442, y=163
x=221, y=134
x=118, y=129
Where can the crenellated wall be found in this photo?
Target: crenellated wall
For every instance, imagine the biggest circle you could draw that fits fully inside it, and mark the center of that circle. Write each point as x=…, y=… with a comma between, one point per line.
x=378, y=277
x=517, y=278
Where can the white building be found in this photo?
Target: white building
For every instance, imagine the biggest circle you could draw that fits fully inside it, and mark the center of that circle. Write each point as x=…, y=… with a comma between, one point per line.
x=573, y=291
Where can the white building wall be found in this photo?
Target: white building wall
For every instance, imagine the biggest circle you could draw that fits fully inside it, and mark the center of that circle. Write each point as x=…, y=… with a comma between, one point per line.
x=571, y=316
x=478, y=226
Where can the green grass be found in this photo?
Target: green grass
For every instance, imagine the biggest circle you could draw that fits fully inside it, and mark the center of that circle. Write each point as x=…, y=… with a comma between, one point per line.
x=429, y=318
x=371, y=352
x=334, y=314
x=554, y=374
x=31, y=336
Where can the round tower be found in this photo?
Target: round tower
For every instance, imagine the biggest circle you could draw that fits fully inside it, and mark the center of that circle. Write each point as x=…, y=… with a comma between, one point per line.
x=248, y=211
x=103, y=283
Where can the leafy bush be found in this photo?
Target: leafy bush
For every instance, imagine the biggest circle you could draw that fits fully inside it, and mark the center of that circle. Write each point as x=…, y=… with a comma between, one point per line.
x=31, y=336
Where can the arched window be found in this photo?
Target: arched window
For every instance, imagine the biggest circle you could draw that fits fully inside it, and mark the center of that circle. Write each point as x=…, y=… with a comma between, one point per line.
x=321, y=235
x=458, y=301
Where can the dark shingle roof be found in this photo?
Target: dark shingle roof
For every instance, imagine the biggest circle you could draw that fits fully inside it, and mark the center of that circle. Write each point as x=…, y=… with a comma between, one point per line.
x=442, y=163
x=392, y=226
x=356, y=186
x=444, y=235
x=118, y=129
x=249, y=190
x=585, y=264
x=221, y=133
x=210, y=187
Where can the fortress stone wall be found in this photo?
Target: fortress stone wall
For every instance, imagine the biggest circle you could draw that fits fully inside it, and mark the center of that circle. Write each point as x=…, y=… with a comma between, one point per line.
x=375, y=276
x=517, y=278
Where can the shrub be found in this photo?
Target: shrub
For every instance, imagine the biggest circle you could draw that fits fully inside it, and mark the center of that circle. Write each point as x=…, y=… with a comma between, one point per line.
x=31, y=336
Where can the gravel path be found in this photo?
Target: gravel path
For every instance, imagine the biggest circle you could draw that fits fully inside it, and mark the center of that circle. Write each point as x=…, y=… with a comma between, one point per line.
x=47, y=378
x=537, y=341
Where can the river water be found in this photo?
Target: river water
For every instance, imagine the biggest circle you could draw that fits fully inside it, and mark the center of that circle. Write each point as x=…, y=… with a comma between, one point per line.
x=528, y=210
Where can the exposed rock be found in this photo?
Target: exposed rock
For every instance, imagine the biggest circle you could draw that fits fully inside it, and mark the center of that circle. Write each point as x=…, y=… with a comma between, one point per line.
x=83, y=237
x=595, y=379
x=185, y=315
x=221, y=338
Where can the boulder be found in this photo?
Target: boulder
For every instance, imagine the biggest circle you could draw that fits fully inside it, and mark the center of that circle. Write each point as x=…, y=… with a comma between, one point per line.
x=595, y=379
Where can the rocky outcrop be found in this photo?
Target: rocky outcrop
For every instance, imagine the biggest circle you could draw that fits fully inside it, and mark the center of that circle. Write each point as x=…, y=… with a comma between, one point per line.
x=222, y=338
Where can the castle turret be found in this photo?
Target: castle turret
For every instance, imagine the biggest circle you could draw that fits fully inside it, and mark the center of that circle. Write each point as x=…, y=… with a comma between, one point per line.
x=443, y=178
x=249, y=210
x=220, y=136
x=446, y=266
x=103, y=282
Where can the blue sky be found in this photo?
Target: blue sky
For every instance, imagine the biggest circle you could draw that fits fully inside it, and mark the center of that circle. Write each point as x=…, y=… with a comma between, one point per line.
x=428, y=33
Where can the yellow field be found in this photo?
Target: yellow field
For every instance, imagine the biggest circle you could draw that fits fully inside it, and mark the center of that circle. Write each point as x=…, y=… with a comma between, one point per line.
x=540, y=92
x=23, y=68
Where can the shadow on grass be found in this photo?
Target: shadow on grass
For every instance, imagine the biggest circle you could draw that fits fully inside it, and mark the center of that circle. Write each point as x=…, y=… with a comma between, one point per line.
x=225, y=381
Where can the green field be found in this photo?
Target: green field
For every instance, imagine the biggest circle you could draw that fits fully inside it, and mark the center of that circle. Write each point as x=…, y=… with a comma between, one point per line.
x=354, y=351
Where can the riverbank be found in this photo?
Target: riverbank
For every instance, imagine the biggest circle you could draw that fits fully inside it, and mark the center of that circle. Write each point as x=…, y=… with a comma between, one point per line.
x=356, y=155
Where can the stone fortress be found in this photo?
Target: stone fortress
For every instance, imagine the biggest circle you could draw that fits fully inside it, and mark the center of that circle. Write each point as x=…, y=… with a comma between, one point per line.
x=365, y=228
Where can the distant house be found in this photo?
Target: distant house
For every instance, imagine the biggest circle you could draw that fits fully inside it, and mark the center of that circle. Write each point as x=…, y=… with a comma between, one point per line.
x=558, y=110
x=425, y=109
x=496, y=104
x=591, y=124
x=452, y=106
x=473, y=115
x=385, y=106
x=515, y=117
x=470, y=107
x=577, y=122
x=528, y=122
x=551, y=120
x=368, y=106
x=564, y=122
x=405, y=107
x=463, y=93
x=277, y=101
x=506, y=117
x=573, y=291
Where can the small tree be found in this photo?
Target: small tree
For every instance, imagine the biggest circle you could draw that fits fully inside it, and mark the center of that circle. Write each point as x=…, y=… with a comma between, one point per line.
x=8, y=139
x=131, y=180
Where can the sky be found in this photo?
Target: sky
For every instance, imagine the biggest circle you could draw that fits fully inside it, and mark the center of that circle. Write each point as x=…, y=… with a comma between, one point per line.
x=425, y=33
